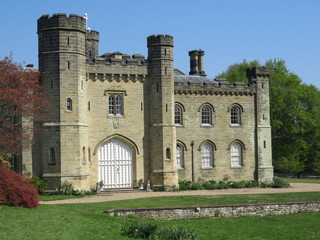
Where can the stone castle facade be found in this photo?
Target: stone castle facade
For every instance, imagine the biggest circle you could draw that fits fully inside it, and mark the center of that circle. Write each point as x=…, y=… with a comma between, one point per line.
x=117, y=119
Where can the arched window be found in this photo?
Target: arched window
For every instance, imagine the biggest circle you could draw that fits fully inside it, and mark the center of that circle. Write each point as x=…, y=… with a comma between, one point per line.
x=235, y=115
x=206, y=155
x=177, y=114
x=89, y=154
x=236, y=155
x=180, y=156
x=119, y=105
x=206, y=115
x=69, y=104
x=52, y=156
x=168, y=153
x=111, y=104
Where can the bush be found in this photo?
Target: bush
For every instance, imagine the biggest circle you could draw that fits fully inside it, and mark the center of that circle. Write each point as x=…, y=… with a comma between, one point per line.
x=68, y=189
x=16, y=189
x=196, y=186
x=139, y=229
x=210, y=185
x=222, y=185
x=39, y=184
x=175, y=233
x=279, y=183
x=184, y=185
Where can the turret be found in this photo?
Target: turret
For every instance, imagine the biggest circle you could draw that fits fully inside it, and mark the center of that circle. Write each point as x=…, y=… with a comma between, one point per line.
x=92, y=45
x=62, y=59
x=164, y=173
x=260, y=77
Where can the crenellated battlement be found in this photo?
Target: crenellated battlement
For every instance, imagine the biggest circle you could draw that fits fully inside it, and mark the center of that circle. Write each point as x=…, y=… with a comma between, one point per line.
x=92, y=35
x=61, y=21
x=160, y=39
x=118, y=58
x=253, y=72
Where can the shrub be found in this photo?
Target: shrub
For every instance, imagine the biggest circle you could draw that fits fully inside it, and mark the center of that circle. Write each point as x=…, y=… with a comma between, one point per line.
x=68, y=189
x=39, y=183
x=196, y=186
x=184, y=185
x=16, y=189
x=210, y=185
x=174, y=233
x=222, y=185
x=139, y=229
x=279, y=183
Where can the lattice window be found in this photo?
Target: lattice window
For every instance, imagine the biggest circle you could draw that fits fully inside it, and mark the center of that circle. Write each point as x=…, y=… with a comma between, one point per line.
x=180, y=156
x=236, y=155
x=177, y=115
x=206, y=114
x=206, y=155
x=235, y=115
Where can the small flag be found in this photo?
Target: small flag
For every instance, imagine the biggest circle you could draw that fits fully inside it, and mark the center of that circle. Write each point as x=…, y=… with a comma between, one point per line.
x=85, y=16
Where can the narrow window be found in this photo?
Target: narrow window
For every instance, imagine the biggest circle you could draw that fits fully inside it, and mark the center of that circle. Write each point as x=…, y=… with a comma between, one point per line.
x=68, y=64
x=52, y=156
x=111, y=105
x=51, y=83
x=84, y=159
x=206, y=115
x=82, y=85
x=236, y=155
x=68, y=41
x=168, y=153
x=141, y=106
x=177, y=115
x=89, y=154
x=119, y=105
x=166, y=107
x=206, y=155
x=180, y=156
x=235, y=116
x=69, y=104
x=165, y=70
x=89, y=106
x=165, y=51
x=264, y=144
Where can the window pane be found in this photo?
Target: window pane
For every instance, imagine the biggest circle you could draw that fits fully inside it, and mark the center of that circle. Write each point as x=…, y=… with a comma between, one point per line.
x=206, y=115
x=179, y=156
x=236, y=154
x=111, y=105
x=119, y=105
x=69, y=104
x=206, y=155
x=177, y=114
x=235, y=115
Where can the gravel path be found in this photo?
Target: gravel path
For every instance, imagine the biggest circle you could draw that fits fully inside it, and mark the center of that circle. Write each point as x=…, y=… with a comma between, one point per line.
x=114, y=196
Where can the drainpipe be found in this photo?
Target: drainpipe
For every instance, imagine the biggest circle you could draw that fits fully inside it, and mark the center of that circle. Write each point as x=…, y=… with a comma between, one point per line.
x=192, y=161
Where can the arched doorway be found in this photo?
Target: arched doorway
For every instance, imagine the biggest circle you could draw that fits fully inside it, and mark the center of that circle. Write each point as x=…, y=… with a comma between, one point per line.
x=115, y=164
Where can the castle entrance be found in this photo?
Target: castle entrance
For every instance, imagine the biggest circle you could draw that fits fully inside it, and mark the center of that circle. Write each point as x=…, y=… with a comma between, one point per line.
x=115, y=164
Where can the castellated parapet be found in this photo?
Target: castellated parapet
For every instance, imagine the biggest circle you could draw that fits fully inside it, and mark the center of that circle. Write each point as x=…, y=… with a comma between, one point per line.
x=61, y=20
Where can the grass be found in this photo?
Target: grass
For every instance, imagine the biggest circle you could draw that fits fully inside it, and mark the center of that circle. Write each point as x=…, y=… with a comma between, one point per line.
x=301, y=180
x=57, y=197
x=87, y=221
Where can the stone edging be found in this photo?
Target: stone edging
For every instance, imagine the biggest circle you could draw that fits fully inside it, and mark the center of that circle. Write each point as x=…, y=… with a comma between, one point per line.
x=238, y=210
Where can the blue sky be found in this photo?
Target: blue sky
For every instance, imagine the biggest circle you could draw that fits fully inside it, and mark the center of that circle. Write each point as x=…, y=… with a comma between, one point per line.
x=229, y=31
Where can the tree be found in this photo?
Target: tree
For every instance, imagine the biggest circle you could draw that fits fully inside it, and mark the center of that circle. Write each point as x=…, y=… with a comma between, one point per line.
x=21, y=100
x=295, y=117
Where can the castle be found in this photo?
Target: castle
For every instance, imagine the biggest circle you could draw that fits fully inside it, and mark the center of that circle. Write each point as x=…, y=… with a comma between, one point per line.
x=117, y=119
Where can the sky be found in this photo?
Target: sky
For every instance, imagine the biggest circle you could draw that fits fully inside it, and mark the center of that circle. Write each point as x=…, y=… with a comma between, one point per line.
x=229, y=31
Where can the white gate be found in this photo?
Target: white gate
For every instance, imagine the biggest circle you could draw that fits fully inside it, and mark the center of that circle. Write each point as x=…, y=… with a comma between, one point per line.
x=115, y=164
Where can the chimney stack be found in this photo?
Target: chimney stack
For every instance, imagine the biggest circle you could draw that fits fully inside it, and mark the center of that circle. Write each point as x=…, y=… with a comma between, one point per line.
x=197, y=63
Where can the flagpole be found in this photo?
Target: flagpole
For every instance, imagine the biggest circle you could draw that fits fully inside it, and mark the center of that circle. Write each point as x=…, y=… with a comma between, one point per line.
x=86, y=18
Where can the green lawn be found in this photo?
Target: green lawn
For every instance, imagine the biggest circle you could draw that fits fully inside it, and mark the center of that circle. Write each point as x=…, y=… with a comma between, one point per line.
x=301, y=180
x=86, y=221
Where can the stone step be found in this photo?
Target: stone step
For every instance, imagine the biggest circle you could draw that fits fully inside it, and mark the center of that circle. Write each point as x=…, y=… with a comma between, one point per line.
x=108, y=191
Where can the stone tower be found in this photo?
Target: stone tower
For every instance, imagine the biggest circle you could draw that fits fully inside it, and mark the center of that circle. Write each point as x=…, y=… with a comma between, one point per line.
x=62, y=59
x=197, y=63
x=260, y=76
x=92, y=45
x=164, y=173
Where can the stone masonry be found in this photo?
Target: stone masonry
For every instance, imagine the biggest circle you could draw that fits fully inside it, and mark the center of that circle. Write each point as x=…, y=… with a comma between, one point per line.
x=114, y=118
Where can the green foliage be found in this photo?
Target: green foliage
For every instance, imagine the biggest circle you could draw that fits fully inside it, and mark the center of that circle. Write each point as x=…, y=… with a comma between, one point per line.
x=139, y=229
x=196, y=186
x=279, y=183
x=39, y=183
x=210, y=185
x=174, y=233
x=68, y=189
x=184, y=185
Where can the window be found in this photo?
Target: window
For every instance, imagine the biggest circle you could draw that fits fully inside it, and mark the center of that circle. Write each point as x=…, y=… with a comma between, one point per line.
x=177, y=115
x=206, y=115
x=235, y=116
x=168, y=153
x=236, y=155
x=52, y=156
x=207, y=155
x=84, y=158
x=180, y=156
x=69, y=104
x=115, y=105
